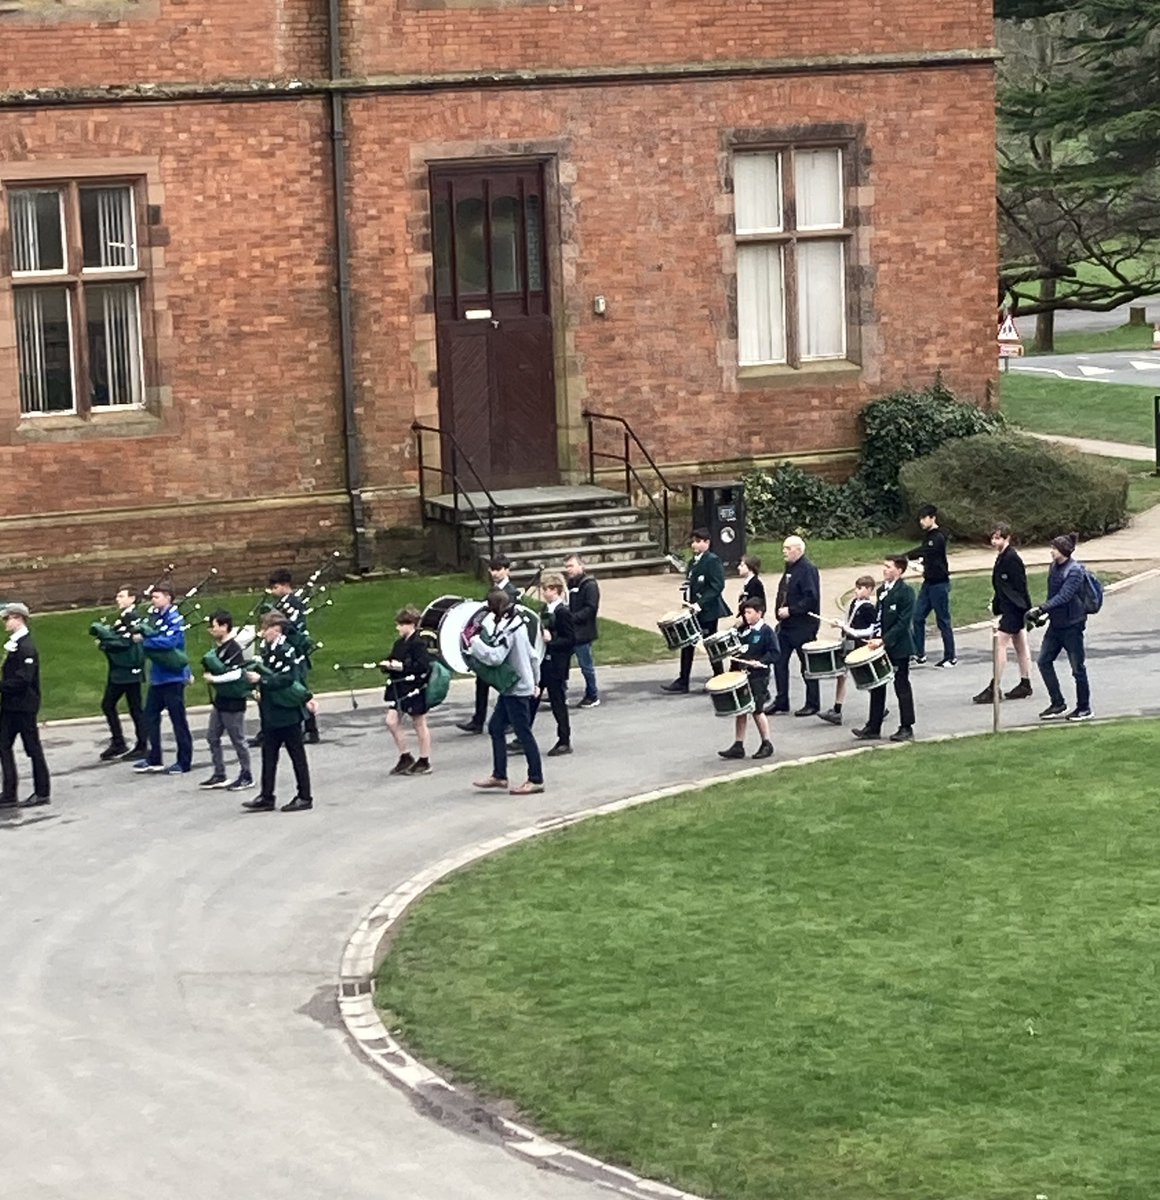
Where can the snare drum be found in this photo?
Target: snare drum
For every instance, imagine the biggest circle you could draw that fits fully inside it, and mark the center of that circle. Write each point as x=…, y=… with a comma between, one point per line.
x=731, y=694
x=679, y=629
x=723, y=645
x=824, y=660
x=868, y=668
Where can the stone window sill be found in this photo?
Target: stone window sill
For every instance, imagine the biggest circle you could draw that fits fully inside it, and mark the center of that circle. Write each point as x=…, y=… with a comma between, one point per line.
x=101, y=423
x=779, y=376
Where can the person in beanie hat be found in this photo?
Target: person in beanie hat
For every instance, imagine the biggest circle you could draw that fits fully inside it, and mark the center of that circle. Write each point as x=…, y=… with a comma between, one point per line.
x=1065, y=631
x=19, y=704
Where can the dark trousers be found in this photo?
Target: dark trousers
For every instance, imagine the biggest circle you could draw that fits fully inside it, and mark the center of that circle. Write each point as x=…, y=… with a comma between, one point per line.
x=479, y=716
x=1069, y=640
x=687, y=652
x=902, y=690
x=936, y=598
x=170, y=698
x=792, y=641
x=109, y=701
x=554, y=685
x=13, y=724
x=514, y=711
x=273, y=740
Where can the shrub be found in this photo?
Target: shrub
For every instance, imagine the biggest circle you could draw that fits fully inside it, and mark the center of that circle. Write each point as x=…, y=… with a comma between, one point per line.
x=905, y=426
x=1039, y=488
x=789, y=500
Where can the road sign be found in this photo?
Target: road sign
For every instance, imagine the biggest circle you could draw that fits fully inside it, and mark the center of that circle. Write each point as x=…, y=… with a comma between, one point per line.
x=1010, y=349
x=1007, y=330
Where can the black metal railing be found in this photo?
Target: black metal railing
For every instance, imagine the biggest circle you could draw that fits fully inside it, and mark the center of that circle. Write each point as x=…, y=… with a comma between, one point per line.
x=631, y=474
x=1156, y=430
x=455, y=460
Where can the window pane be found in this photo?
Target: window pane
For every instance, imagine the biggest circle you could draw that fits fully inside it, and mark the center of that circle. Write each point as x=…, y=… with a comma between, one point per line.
x=818, y=181
x=505, y=245
x=469, y=248
x=757, y=192
x=44, y=349
x=760, y=305
x=821, y=299
x=112, y=317
x=108, y=228
x=534, y=216
x=36, y=217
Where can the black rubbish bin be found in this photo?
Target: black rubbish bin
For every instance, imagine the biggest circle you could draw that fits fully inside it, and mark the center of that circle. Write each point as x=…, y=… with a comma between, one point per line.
x=719, y=507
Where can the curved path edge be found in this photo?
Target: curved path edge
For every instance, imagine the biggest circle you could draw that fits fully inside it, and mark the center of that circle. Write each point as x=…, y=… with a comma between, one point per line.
x=369, y=944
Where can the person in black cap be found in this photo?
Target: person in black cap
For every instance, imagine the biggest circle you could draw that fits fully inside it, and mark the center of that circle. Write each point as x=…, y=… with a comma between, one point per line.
x=19, y=705
x=1067, y=620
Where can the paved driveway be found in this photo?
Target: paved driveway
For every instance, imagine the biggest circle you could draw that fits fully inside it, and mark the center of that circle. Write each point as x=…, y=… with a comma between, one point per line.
x=1141, y=368
x=169, y=963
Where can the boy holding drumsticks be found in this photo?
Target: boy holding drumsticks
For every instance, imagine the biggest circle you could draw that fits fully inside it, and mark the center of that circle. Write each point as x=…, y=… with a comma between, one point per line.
x=760, y=652
x=857, y=630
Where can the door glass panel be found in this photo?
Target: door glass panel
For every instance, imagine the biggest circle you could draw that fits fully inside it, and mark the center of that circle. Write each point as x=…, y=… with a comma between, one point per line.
x=469, y=245
x=534, y=215
x=505, y=244
x=441, y=216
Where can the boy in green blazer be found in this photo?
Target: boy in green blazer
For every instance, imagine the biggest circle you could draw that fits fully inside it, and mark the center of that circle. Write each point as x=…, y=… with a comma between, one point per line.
x=895, y=628
x=705, y=595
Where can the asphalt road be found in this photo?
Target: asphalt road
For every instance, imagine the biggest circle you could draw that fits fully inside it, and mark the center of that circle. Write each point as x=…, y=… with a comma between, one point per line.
x=169, y=963
x=1076, y=320
x=1141, y=368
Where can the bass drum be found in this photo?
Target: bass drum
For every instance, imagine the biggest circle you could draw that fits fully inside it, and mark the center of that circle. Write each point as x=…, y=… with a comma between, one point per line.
x=432, y=618
x=456, y=617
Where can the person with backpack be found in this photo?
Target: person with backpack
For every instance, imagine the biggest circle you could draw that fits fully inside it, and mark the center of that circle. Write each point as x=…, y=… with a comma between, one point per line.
x=1069, y=596
x=408, y=670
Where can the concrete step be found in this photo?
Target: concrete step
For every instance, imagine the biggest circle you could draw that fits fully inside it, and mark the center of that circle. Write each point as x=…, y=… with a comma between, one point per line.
x=604, y=570
x=557, y=543
x=593, y=554
x=558, y=520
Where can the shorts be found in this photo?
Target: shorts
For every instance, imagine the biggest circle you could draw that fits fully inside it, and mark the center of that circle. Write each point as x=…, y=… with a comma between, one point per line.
x=1011, y=621
x=759, y=686
x=410, y=704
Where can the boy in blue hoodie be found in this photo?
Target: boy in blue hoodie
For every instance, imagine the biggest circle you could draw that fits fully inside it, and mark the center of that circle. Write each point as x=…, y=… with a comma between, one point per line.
x=169, y=673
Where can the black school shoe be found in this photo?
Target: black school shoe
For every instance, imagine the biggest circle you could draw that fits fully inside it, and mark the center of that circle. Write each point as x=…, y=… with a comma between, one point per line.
x=765, y=750
x=675, y=686
x=405, y=763
x=560, y=748
x=34, y=801
x=259, y=804
x=469, y=727
x=865, y=734
x=113, y=750
x=737, y=750
x=298, y=805
x=902, y=734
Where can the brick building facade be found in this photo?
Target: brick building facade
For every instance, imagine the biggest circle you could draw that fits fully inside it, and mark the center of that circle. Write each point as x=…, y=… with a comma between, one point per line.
x=730, y=223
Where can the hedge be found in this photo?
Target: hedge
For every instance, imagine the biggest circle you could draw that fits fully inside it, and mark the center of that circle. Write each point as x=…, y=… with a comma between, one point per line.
x=1039, y=488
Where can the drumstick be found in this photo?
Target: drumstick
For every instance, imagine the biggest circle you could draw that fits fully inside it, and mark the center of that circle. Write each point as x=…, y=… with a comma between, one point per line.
x=828, y=620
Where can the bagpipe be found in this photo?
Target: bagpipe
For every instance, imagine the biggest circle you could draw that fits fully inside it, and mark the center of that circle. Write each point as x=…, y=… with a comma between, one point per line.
x=148, y=626
x=235, y=689
x=297, y=605
x=438, y=682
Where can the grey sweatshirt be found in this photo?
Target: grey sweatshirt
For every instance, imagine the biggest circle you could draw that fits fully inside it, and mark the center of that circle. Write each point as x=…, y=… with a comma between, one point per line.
x=512, y=644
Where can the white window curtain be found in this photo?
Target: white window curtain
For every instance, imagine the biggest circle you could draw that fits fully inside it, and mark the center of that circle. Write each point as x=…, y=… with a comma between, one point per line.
x=818, y=182
x=760, y=305
x=114, y=344
x=44, y=349
x=821, y=299
x=37, y=229
x=757, y=193
x=109, y=227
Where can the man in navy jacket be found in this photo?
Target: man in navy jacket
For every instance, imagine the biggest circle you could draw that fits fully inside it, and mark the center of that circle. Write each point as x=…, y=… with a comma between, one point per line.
x=1067, y=620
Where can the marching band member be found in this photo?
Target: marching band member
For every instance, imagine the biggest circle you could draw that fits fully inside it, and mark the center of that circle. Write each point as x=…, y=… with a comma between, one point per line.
x=799, y=596
x=168, y=675
x=857, y=630
x=759, y=654
x=894, y=628
x=126, y=672
x=505, y=659
x=293, y=606
x=499, y=568
x=749, y=568
x=559, y=633
x=705, y=587
x=284, y=701
x=225, y=673
x=408, y=669
x=19, y=704
x=1010, y=603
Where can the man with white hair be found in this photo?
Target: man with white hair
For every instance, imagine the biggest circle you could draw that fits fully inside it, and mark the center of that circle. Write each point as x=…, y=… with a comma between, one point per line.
x=799, y=594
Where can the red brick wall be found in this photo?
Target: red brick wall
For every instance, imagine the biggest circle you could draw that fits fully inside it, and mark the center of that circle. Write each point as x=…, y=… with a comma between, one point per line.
x=443, y=35
x=163, y=42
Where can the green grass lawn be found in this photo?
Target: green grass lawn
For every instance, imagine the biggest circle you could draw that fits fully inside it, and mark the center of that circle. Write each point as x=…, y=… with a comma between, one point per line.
x=839, y=552
x=921, y=974
x=1095, y=341
x=1111, y=411
x=358, y=626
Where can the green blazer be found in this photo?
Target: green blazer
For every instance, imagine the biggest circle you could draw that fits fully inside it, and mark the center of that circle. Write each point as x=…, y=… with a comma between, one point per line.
x=705, y=577
x=896, y=619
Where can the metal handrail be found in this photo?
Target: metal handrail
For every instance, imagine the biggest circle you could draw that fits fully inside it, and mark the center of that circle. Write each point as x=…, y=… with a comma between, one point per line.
x=630, y=472
x=457, y=452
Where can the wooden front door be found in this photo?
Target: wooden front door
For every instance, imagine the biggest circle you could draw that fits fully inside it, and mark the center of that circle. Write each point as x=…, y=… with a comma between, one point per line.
x=493, y=322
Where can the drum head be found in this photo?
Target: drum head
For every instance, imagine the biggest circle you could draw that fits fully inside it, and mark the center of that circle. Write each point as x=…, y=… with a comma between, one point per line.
x=863, y=654
x=433, y=614
x=671, y=617
x=819, y=647
x=727, y=681
x=455, y=620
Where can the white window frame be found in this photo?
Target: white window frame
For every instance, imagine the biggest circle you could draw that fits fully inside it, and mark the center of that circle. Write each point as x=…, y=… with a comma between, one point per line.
x=790, y=237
